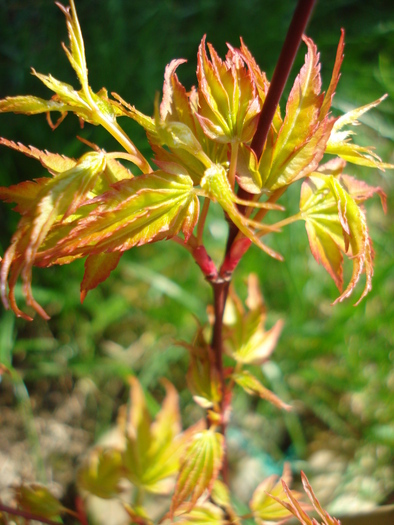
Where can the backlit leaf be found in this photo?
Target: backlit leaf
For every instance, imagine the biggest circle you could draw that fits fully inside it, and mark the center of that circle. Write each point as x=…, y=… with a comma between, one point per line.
x=217, y=187
x=202, y=377
x=245, y=338
x=264, y=506
x=301, y=140
x=97, y=269
x=340, y=143
x=294, y=507
x=53, y=162
x=199, y=468
x=154, y=447
x=252, y=386
x=133, y=212
x=335, y=225
x=57, y=199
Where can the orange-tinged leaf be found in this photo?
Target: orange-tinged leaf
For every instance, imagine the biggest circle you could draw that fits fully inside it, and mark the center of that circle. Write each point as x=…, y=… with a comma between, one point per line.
x=97, y=269
x=56, y=200
x=199, y=468
x=133, y=212
x=323, y=227
x=355, y=233
x=252, y=386
x=217, y=187
x=335, y=77
x=154, y=448
x=335, y=224
x=228, y=104
x=138, y=435
x=205, y=514
x=300, y=126
x=295, y=508
x=361, y=191
x=53, y=162
x=202, y=377
x=245, y=338
x=264, y=506
x=340, y=143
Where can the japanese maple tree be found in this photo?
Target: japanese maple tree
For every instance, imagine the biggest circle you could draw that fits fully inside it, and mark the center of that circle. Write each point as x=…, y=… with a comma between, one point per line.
x=222, y=143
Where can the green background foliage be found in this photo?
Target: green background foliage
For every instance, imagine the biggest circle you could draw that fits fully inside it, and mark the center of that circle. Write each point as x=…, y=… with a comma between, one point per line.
x=335, y=364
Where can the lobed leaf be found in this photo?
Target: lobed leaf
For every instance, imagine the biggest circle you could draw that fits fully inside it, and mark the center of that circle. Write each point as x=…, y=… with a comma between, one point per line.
x=202, y=376
x=53, y=162
x=133, y=212
x=97, y=270
x=228, y=103
x=336, y=224
x=302, y=136
x=54, y=200
x=199, y=468
x=340, y=144
x=264, y=503
x=245, y=338
x=294, y=507
x=153, y=448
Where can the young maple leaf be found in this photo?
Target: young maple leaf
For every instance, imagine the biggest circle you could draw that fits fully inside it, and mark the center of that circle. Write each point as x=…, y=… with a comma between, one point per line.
x=43, y=203
x=91, y=107
x=154, y=447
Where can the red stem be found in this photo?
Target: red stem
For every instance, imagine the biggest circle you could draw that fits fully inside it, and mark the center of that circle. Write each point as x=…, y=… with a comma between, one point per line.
x=26, y=515
x=220, y=283
x=281, y=74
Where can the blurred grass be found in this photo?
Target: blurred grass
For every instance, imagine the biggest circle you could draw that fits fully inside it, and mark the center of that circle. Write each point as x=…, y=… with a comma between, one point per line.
x=336, y=363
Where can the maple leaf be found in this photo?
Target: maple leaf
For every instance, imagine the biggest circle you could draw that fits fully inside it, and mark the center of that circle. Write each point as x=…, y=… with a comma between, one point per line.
x=266, y=503
x=228, y=100
x=245, y=338
x=199, y=468
x=43, y=203
x=340, y=143
x=295, y=508
x=94, y=108
x=154, y=447
x=301, y=140
x=131, y=213
x=336, y=224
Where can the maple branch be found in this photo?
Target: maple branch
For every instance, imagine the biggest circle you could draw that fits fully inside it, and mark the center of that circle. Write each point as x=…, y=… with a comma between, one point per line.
x=281, y=74
x=220, y=290
x=283, y=67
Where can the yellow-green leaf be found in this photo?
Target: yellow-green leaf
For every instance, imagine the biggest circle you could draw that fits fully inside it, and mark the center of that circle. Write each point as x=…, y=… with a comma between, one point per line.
x=37, y=499
x=56, y=200
x=133, y=212
x=301, y=140
x=217, y=188
x=264, y=506
x=97, y=269
x=153, y=448
x=199, y=468
x=340, y=143
x=101, y=473
x=252, y=386
x=202, y=377
x=335, y=224
x=245, y=337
